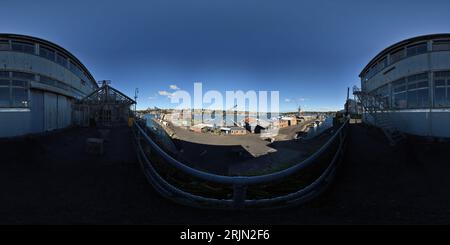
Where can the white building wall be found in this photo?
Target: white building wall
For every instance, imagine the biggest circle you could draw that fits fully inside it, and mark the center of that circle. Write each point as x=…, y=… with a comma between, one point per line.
x=50, y=107
x=406, y=67
x=14, y=122
x=431, y=61
x=425, y=121
x=12, y=60
x=433, y=123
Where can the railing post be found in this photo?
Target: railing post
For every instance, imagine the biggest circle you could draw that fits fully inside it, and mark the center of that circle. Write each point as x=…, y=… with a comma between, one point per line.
x=239, y=195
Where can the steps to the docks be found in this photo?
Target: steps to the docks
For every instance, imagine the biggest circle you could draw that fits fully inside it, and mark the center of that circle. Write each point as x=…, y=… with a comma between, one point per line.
x=378, y=108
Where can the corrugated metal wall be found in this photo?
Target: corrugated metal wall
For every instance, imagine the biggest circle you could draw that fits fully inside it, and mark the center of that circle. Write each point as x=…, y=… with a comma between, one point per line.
x=37, y=111
x=64, y=112
x=50, y=111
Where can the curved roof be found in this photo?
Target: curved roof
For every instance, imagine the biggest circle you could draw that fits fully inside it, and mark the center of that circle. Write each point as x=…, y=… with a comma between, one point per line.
x=52, y=45
x=403, y=43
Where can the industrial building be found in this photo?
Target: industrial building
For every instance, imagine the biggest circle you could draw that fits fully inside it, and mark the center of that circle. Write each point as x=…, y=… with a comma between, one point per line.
x=353, y=107
x=238, y=131
x=39, y=83
x=291, y=121
x=201, y=127
x=282, y=123
x=406, y=88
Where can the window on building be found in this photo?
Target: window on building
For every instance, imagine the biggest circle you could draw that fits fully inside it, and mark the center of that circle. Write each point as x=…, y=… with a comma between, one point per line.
x=25, y=47
x=47, y=53
x=61, y=59
x=75, y=69
x=371, y=72
x=18, y=83
x=53, y=82
x=4, y=74
x=382, y=64
x=85, y=77
x=4, y=82
x=62, y=85
x=441, y=45
x=418, y=91
x=442, y=89
x=23, y=75
x=4, y=93
x=47, y=80
x=4, y=45
x=383, y=96
x=416, y=49
x=374, y=69
x=14, y=93
x=397, y=55
x=399, y=94
x=19, y=94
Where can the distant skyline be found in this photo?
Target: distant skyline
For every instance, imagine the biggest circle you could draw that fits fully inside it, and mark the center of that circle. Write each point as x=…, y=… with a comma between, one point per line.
x=310, y=51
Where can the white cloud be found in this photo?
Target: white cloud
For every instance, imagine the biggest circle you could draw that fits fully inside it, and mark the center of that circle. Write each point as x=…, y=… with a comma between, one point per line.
x=295, y=100
x=174, y=87
x=165, y=93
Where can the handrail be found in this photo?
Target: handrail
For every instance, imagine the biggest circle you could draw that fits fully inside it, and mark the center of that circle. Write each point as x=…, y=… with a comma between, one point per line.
x=239, y=180
x=239, y=183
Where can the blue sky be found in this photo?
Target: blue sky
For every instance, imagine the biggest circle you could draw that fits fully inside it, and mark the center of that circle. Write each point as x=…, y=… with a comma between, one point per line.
x=310, y=51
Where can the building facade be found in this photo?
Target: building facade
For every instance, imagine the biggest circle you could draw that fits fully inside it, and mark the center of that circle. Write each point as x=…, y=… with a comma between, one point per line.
x=238, y=131
x=353, y=107
x=39, y=82
x=412, y=80
x=282, y=123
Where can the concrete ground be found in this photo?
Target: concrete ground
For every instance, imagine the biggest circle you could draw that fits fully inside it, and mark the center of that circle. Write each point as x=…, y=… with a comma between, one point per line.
x=252, y=143
x=243, y=155
x=50, y=180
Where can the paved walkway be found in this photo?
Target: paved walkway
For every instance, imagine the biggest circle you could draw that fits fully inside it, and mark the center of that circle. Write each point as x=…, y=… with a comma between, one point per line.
x=51, y=180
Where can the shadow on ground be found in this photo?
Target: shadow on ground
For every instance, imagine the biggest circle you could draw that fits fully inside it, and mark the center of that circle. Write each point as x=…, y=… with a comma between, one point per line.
x=50, y=180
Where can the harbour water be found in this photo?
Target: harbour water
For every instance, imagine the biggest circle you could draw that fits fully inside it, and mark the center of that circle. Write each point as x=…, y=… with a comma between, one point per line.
x=230, y=120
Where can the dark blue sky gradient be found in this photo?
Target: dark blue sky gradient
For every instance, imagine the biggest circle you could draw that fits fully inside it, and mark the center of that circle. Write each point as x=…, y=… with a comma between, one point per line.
x=309, y=51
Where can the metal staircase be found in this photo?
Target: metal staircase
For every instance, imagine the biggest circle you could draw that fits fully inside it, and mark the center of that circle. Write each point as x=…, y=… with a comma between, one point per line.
x=378, y=108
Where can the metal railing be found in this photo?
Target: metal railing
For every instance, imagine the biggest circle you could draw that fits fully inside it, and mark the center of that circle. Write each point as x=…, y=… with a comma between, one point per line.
x=239, y=183
x=377, y=108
